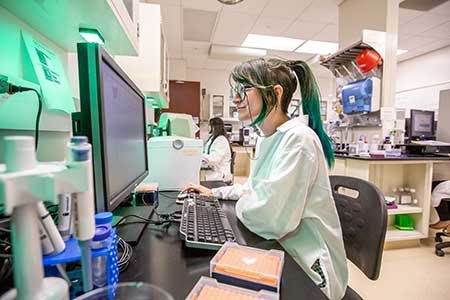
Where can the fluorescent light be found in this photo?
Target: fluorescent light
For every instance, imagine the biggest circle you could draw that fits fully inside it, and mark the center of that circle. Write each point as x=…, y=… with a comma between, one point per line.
x=271, y=42
x=401, y=51
x=91, y=35
x=318, y=47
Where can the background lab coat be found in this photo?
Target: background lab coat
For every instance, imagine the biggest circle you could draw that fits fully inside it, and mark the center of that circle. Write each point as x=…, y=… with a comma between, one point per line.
x=288, y=198
x=219, y=159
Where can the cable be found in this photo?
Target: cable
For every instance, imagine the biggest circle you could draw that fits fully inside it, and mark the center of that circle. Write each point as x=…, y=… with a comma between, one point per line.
x=6, y=87
x=126, y=254
x=38, y=118
x=143, y=220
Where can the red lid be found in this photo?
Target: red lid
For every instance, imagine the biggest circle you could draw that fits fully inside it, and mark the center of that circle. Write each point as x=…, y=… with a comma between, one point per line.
x=367, y=60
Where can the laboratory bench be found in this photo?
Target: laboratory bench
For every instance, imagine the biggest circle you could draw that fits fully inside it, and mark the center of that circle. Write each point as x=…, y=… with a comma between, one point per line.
x=416, y=172
x=160, y=258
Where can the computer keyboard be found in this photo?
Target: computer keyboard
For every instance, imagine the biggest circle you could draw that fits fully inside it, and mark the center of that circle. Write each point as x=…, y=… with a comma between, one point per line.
x=204, y=224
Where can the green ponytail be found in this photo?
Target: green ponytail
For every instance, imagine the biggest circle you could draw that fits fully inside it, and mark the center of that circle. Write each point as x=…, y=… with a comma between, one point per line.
x=310, y=93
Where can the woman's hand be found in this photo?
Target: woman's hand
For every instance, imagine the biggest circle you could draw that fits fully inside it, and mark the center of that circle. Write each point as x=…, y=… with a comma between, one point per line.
x=197, y=188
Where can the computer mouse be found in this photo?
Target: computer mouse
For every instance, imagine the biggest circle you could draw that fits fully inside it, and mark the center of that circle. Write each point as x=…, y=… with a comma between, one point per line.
x=182, y=196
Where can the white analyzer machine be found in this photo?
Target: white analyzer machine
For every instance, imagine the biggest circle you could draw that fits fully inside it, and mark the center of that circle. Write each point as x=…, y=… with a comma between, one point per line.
x=174, y=161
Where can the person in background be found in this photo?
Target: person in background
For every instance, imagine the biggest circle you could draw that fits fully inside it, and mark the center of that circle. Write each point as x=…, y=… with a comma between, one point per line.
x=217, y=153
x=288, y=194
x=441, y=191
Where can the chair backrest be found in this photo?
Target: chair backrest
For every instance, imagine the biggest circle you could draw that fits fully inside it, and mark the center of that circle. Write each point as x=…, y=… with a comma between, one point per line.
x=363, y=220
x=233, y=158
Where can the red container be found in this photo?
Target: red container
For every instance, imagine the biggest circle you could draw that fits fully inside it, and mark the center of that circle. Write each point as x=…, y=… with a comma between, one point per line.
x=367, y=60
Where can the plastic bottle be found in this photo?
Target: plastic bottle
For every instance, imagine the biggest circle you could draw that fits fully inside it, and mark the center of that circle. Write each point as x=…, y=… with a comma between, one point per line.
x=360, y=144
x=375, y=143
x=387, y=143
x=100, y=263
x=413, y=196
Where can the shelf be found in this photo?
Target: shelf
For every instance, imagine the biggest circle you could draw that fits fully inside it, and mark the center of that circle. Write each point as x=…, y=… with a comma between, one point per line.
x=393, y=235
x=405, y=209
x=359, y=126
x=345, y=56
x=59, y=21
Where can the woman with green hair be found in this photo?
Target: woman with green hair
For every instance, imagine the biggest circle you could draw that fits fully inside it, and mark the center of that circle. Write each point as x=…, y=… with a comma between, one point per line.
x=288, y=195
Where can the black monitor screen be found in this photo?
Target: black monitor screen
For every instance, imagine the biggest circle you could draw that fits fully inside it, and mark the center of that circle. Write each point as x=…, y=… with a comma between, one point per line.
x=422, y=123
x=123, y=123
x=112, y=116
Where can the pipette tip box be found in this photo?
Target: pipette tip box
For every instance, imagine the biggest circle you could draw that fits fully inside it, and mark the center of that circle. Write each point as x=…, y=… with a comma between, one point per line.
x=247, y=267
x=209, y=289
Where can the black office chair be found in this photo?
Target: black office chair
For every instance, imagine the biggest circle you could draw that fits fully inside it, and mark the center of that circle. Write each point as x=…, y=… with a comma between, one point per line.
x=444, y=214
x=232, y=163
x=363, y=219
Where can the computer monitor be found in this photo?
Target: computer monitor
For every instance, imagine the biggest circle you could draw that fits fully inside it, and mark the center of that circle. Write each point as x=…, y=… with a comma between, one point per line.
x=421, y=124
x=112, y=116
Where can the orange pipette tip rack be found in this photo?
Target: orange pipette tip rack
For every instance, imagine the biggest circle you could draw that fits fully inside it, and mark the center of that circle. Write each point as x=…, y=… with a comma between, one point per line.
x=210, y=289
x=255, y=265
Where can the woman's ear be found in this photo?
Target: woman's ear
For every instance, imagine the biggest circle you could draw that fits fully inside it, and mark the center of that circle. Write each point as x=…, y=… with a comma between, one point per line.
x=278, y=89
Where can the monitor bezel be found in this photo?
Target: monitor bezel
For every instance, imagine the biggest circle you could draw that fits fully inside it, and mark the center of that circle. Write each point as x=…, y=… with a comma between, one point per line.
x=91, y=51
x=412, y=133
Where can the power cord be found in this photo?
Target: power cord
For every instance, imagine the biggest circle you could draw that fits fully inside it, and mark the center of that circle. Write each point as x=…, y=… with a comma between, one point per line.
x=6, y=87
x=165, y=220
x=126, y=253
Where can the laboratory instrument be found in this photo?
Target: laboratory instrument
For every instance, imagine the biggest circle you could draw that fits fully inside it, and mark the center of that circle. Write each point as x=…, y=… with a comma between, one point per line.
x=362, y=96
x=24, y=185
x=174, y=162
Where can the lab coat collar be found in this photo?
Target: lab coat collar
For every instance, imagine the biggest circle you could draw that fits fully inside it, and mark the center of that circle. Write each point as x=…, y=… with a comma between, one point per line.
x=290, y=124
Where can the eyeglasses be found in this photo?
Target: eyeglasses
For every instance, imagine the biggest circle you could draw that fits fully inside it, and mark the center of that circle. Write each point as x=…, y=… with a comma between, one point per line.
x=240, y=90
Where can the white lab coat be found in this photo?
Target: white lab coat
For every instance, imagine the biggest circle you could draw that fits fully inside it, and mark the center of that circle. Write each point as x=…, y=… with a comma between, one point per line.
x=218, y=159
x=441, y=191
x=288, y=198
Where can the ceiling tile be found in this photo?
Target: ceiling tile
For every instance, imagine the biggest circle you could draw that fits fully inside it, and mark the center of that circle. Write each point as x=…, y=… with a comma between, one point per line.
x=321, y=11
x=285, y=8
x=406, y=15
x=191, y=47
x=217, y=64
x=284, y=55
x=421, y=24
x=440, y=31
x=250, y=7
x=232, y=28
x=271, y=26
x=198, y=25
x=443, y=9
x=202, y=4
x=171, y=18
x=304, y=29
x=196, y=61
x=329, y=34
x=424, y=49
x=413, y=42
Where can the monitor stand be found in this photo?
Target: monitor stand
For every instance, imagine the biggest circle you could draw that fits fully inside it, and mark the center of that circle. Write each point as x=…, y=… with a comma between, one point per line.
x=132, y=233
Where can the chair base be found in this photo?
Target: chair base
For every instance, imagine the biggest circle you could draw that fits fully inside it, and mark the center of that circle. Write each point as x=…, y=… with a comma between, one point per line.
x=440, y=244
x=350, y=294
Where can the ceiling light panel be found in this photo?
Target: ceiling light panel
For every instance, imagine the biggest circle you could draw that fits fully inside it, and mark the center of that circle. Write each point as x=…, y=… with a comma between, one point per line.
x=271, y=42
x=318, y=47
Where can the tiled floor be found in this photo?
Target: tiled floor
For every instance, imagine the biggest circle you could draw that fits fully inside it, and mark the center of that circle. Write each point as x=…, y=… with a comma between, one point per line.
x=409, y=273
